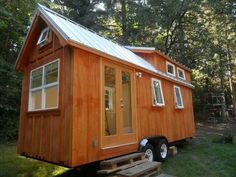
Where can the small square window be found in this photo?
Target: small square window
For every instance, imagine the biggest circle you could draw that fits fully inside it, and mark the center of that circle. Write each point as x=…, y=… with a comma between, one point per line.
x=178, y=98
x=158, y=99
x=180, y=73
x=170, y=69
x=43, y=37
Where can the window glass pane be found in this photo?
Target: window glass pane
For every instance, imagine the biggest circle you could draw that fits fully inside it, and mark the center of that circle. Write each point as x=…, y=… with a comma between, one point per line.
x=157, y=90
x=36, y=100
x=127, y=109
x=178, y=97
x=181, y=73
x=36, y=78
x=51, y=97
x=170, y=69
x=43, y=36
x=110, y=100
x=51, y=73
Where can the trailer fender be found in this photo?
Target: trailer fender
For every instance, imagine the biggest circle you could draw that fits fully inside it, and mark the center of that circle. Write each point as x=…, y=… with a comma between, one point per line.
x=152, y=140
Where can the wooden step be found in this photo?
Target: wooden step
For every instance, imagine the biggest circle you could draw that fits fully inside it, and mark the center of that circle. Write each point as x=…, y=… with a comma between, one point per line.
x=145, y=169
x=135, y=156
x=121, y=163
x=165, y=175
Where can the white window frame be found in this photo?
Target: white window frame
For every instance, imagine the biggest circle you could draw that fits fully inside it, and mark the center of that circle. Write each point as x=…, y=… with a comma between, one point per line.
x=179, y=69
x=41, y=40
x=43, y=87
x=167, y=64
x=155, y=103
x=181, y=98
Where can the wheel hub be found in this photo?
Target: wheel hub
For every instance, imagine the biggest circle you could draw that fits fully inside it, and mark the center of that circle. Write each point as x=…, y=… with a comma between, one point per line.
x=149, y=154
x=163, y=151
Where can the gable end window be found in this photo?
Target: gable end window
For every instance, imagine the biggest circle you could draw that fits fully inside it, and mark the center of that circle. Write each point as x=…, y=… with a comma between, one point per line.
x=157, y=94
x=180, y=73
x=170, y=69
x=178, y=98
x=44, y=36
x=44, y=87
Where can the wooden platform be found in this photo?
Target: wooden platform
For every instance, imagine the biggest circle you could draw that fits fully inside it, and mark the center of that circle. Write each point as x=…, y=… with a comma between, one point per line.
x=165, y=175
x=145, y=169
x=132, y=165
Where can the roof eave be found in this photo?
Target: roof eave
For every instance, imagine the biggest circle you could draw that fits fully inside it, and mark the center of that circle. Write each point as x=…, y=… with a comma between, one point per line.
x=158, y=73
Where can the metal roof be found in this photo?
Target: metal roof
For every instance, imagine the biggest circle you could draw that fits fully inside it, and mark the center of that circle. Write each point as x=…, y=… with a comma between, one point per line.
x=140, y=48
x=73, y=31
x=76, y=33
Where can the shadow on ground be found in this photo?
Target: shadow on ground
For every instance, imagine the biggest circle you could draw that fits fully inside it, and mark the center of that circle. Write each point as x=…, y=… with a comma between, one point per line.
x=85, y=171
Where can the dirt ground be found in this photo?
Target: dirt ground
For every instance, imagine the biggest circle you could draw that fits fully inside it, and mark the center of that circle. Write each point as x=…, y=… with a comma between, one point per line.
x=203, y=129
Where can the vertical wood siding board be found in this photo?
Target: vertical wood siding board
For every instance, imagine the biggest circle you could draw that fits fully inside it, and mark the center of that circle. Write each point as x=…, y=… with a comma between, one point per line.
x=94, y=105
x=73, y=111
x=22, y=117
x=63, y=93
x=69, y=115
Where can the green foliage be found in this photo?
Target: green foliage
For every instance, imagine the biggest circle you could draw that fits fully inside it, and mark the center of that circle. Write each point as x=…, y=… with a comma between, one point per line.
x=10, y=89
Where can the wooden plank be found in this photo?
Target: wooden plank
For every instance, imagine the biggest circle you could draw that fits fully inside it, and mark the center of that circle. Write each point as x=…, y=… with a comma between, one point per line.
x=122, y=158
x=123, y=167
x=165, y=175
x=140, y=169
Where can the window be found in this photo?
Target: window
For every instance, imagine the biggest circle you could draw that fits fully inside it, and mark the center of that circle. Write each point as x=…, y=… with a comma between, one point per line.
x=44, y=83
x=43, y=37
x=158, y=99
x=170, y=68
x=180, y=73
x=178, y=98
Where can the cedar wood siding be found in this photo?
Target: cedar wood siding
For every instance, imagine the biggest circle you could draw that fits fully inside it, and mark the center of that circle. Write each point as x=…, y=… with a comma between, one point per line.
x=174, y=124
x=46, y=135
x=159, y=62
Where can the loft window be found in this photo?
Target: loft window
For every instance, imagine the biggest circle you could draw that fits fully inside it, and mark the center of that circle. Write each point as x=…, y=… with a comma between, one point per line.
x=178, y=98
x=158, y=99
x=43, y=37
x=180, y=73
x=170, y=68
x=44, y=83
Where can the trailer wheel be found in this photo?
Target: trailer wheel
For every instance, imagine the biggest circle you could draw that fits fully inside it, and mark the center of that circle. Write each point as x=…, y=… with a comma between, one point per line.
x=149, y=152
x=162, y=150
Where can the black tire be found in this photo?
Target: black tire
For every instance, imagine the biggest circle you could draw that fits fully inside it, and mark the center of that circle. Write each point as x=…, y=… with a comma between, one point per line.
x=147, y=149
x=162, y=150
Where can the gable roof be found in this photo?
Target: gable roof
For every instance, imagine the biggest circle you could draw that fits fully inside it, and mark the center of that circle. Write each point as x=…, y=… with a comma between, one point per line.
x=74, y=33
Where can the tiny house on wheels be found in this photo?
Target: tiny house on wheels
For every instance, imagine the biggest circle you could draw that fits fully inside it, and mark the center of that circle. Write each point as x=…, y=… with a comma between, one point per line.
x=86, y=98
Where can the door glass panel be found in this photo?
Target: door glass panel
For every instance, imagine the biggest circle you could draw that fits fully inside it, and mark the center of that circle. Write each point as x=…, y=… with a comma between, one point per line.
x=110, y=101
x=126, y=102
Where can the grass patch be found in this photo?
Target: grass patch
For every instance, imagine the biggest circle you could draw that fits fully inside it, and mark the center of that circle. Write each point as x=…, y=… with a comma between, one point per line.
x=13, y=165
x=203, y=158
x=198, y=158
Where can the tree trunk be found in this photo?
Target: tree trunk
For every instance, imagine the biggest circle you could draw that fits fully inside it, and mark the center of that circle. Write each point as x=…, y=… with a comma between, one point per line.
x=124, y=21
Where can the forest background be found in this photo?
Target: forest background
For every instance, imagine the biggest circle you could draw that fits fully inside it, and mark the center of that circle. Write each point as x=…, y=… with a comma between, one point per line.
x=201, y=34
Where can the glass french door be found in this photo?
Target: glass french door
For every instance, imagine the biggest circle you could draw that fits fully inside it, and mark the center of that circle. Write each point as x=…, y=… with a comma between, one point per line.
x=118, y=116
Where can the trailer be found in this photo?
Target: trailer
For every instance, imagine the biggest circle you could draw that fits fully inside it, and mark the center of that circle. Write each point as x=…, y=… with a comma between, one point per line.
x=86, y=98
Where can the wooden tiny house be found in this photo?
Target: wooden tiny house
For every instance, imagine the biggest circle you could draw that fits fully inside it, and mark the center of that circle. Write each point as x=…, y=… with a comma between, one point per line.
x=86, y=98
